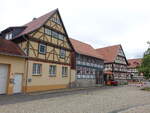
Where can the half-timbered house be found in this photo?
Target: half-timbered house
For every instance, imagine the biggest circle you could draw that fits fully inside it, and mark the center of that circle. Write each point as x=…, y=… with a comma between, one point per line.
x=89, y=65
x=115, y=63
x=133, y=73
x=49, y=52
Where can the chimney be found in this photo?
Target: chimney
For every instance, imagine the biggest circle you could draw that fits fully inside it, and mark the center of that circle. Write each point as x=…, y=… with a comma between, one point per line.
x=34, y=18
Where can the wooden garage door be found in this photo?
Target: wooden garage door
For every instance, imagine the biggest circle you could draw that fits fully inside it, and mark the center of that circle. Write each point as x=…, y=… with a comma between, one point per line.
x=3, y=78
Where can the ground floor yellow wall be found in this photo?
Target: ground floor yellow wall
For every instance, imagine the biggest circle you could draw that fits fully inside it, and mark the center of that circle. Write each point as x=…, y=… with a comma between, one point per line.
x=44, y=81
x=16, y=65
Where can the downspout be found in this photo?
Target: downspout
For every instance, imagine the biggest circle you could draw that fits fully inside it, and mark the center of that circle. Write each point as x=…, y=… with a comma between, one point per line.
x=27, y=64
x=72, y=66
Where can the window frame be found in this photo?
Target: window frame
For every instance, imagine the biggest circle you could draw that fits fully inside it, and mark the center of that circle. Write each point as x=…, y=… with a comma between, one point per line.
x=8, y=36
x=36, y=69
x=64, y=71
x=49, y=31
x=44, y=49
x=60, y=52
x=60, y=35
x=54, y=32
x=52, y=74
x=56, y=20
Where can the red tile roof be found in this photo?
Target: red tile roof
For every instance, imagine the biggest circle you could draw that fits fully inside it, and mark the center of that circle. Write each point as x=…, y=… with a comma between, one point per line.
x=109, y=53
x=85, y=49
x=133, y=63
x=36, y=23
x=9, y=48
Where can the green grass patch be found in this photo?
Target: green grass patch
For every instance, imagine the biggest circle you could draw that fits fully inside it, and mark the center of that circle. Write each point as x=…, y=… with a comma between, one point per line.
x=146, y=89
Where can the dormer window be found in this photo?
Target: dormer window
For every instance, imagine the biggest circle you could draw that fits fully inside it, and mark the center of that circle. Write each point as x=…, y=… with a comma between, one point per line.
x=8, y=36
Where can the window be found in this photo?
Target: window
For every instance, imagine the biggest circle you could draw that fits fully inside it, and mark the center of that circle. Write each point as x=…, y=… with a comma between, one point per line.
x=78, y=76
x=48, y=31
x=42, y=48
x=54, y=34
x=78, y=72
x=61, y=37
x=83, y=76
x=62, y=53
x=64, y=71
x=8, y=36
x=37, y=69
x=78, y=57
x=56, y=20
x=94, y=71
x=52, y=70
x=94, y=76
x=101, y=66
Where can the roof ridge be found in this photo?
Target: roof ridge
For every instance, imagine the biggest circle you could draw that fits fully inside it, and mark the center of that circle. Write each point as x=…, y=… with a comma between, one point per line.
x=134, y=58
x=82, y=42
x=41, y=16
x=109, y=46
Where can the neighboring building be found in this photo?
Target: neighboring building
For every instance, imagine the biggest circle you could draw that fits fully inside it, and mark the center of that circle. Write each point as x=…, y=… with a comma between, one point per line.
x=49, y=52
x=89, y=65
x=115, y=63
x=134, y=74
x=12, y=64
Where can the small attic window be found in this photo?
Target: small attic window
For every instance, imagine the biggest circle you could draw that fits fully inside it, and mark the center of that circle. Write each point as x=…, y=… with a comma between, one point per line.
x=56, y=20
x=8, y=36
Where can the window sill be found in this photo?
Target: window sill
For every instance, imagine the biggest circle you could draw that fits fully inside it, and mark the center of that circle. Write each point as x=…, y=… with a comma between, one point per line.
x=42, y=53
x=62, y=57
x=36, y=74
x=52, y=75
x=65, y=76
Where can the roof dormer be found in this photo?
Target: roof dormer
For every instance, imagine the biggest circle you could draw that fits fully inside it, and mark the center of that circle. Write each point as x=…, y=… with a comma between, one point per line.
x=8, y=36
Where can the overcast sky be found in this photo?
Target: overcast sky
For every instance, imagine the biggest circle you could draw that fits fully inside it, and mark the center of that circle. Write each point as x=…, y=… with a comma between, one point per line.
x=97, y=22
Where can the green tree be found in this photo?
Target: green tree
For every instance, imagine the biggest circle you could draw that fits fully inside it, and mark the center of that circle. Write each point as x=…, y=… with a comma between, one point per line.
x=145, y=66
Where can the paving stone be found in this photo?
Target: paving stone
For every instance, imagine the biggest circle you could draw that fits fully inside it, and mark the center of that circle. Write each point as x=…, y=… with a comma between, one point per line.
x=97, y=101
